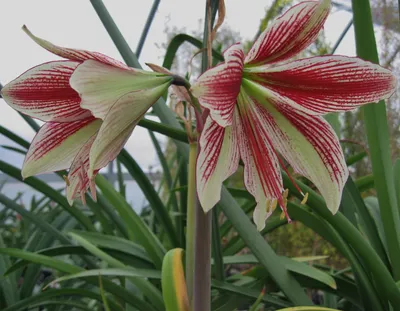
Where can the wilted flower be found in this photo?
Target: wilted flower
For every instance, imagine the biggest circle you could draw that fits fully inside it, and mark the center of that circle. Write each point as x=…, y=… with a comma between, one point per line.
x=262, y=107
x=90, y=103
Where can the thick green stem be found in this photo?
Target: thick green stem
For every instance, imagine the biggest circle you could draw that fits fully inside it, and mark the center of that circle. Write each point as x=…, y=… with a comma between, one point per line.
x=190, y=222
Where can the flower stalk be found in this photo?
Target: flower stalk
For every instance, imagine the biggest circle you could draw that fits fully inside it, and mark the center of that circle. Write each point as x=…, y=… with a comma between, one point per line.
x=190, y=219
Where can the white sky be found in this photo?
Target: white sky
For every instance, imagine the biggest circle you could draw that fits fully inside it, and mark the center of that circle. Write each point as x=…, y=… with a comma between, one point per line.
x=77, y=25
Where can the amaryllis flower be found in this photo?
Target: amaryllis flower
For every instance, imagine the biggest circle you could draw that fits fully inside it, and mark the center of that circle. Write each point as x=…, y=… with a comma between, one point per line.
x=263, y=107
x=90, y=104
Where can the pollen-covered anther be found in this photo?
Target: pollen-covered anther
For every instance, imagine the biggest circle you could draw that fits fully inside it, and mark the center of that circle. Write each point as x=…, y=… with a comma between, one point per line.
x=305, y=198
x=271, y=205
x=66, y=180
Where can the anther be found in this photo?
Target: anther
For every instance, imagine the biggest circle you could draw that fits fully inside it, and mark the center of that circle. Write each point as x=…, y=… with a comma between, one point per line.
x=66, y=180
x=305, y=198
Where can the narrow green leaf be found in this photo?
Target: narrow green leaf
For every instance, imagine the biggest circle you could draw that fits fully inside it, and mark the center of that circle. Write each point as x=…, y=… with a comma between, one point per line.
x=293, y=265
x=352, y=236
x=147, y=27
x=263, y=251
x=51, y=294
x=174, y=133
x=42, y=187
x=72, y=269
x=137, y=229
x=37, y=220
x=248, y=292
x=147, y=288
x=307, y=309
x=8, y=285
x=351, y=199
x=115, y=272
x=176, y=42
x=173, y=281
x=151, y=195
x=378, y=137
x=365, y=183
x=14, y=137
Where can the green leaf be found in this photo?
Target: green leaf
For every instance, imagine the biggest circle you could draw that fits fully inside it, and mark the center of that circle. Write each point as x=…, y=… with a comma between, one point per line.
x=116, y=243
x=173, y=281
x=41, y=223
x=353, y=237
x=137, y=229
x=352, y=200
x=365, y=183
x=376, y=126
x=174, y=133
x=293, y=265
x=147, y=288
x=115, y=272
x=248, y=292
x=51, y=294
x=151, y=195
x=71, y=269
x=14, y=137
x=176, y=42
x=8, y=285
x=307, y=309
x=263, y=251
x=48, y=191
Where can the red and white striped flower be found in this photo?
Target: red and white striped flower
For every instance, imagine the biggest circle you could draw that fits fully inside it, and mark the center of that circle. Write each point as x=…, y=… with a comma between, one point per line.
x=90, y=104
x=263, y=107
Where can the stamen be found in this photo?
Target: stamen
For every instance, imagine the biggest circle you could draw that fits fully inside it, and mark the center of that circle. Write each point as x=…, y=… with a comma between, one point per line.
x=268, y=205
x=284, y=214
x=305, y=198
x=287, y=172
x=66, y=180
x=274, y=204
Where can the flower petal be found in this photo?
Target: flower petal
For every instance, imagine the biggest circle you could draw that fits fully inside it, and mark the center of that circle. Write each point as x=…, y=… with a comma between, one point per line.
x=56, y=144
x=323, y=84
x=73, y=54
x=119, y=124
x=290, y=34
x=100, y=85
x=217, y=160
x=43, y=92
x=78, y=180
x=218, y=88
x=262, y=175
x=309, y=144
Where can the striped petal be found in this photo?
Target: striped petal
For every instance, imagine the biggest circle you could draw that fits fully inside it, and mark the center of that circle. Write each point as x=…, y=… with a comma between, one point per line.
x=73, y=54
x=308, y=143
x=323, y=84
x=78, y=180
x=56, y=145
x=218, y=88
x=217, y=160
x=119, y=124
x=290, y=34
x=43, y=92
x=262, y=176
x=100, y=85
